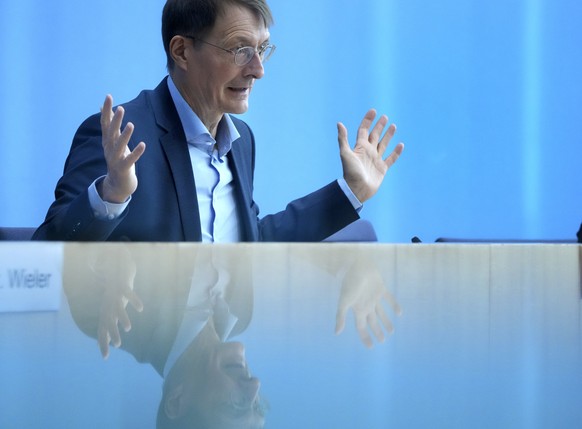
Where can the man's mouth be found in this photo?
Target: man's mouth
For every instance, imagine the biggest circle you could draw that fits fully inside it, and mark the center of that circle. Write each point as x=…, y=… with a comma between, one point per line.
x=241, y=90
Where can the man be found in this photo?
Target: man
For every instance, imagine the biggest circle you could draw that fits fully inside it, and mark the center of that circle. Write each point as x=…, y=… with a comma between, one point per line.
x=194, y=182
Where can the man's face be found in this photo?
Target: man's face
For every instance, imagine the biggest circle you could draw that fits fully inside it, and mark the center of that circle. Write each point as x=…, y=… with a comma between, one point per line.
x=214, y=84
x=221, y=393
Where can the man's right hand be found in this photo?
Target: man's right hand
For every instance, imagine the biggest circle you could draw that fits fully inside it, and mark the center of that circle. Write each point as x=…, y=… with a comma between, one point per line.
x=121, y=180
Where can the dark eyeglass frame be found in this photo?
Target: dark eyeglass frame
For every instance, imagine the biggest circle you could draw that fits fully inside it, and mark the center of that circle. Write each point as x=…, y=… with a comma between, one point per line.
x=242, y=55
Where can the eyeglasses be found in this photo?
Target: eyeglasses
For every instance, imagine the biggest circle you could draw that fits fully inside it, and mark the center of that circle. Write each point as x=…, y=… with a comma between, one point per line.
x=244, y=55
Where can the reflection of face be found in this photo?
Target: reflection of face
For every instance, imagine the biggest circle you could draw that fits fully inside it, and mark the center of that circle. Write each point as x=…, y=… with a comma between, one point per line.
x=211, y=387
x=228, y=394
x=214, y=83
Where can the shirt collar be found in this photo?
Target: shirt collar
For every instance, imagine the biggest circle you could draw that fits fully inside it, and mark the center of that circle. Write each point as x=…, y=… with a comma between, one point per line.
x=196, y=132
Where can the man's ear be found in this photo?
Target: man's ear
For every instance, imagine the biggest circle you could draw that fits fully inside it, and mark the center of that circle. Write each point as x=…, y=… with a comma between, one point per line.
x=174, y=403
x=178, y=51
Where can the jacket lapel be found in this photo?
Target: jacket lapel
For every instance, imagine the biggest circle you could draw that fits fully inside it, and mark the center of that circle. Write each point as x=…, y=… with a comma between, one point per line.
x=242, y=170
x=174, y=145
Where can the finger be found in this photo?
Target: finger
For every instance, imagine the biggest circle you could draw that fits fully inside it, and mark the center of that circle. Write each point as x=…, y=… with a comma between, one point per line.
x=362, y=328
x=376, y=328
x=106, y=112
x=365, y=125
x=386, y=139
x=342, y=137
x=110, y=127
x=106, y=117
x=124, y=321
x=391, y=159
x=135, y=155
x=103, y=340
x=393, y=303
x=113, y=331
x=340, y=320
x=134, y=300
x=117, y=118
x=376, y=133
x=120, y=145
x=386, y=322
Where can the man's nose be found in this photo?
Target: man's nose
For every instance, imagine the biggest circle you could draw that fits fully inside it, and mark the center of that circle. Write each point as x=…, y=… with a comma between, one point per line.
x=250, y=389
x=255, y=67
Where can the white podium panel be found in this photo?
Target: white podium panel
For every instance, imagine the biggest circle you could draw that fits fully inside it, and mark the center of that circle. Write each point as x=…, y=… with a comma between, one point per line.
x=299, y=335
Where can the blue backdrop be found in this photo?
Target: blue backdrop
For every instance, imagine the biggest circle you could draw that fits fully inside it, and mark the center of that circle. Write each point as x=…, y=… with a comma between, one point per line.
x=486, y=96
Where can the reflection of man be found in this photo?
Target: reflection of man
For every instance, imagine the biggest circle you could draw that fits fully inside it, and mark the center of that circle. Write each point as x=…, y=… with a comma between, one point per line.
x=194, y=181
x=207, y=382
x=192, y=301
x=210, y=386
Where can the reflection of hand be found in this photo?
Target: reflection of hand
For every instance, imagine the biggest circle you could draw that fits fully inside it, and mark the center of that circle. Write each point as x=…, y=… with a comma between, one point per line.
x=115, y=274
x=113, y=313
x=363, y=291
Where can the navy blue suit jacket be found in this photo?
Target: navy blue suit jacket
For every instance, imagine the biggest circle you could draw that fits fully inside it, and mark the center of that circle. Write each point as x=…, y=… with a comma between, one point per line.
x=164, y=206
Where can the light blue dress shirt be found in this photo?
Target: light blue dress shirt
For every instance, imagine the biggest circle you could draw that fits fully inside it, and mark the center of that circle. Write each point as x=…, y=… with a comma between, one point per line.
x=212, y=174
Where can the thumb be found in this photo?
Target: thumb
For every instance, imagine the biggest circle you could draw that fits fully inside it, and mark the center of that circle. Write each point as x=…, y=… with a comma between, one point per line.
x=342, y=136
x=340, y=320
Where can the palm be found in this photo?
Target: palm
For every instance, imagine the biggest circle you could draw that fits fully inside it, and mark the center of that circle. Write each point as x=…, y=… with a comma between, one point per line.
x=121, y=180
x=364, y=167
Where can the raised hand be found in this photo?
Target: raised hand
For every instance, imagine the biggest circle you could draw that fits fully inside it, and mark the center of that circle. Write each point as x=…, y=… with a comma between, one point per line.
x=121, y=180
x=364, y=167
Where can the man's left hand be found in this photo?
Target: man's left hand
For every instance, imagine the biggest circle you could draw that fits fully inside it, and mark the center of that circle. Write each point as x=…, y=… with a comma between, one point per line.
x=364, y=167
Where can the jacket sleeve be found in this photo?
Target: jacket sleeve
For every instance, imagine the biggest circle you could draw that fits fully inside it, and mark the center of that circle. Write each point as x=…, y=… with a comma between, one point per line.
x=308, y=219
x=70, y=217
x=311, y=218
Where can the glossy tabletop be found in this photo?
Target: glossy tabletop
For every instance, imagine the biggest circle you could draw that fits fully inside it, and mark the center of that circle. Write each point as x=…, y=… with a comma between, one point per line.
x=288, y=336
